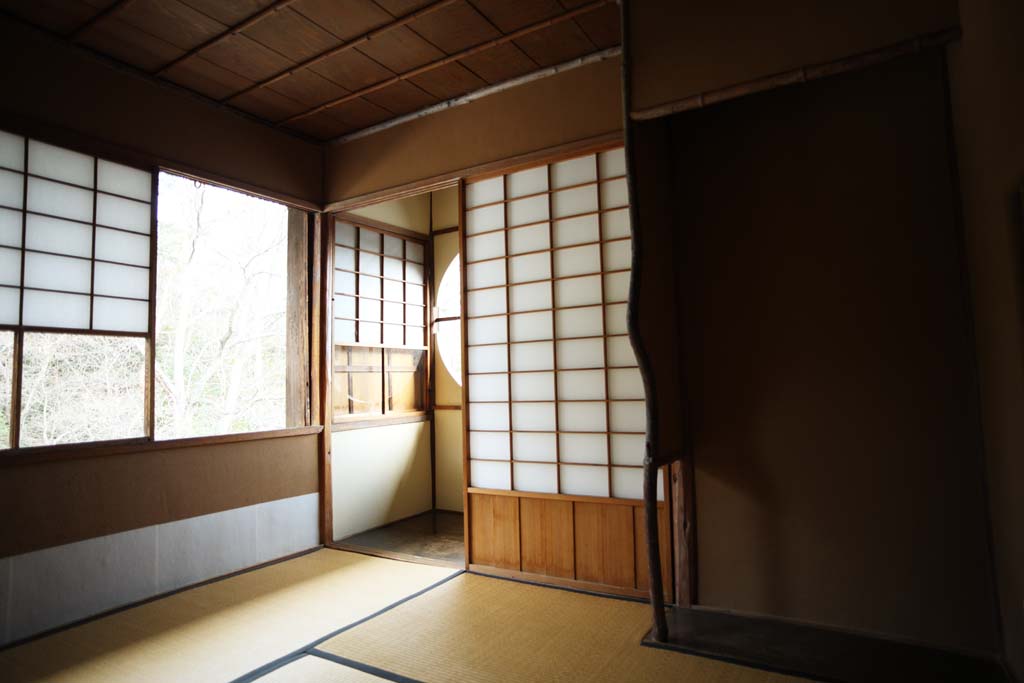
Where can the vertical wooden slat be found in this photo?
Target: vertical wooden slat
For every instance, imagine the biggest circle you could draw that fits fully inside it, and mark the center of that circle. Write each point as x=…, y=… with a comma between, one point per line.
x=467, y=519
x=554, y=335
x=154, y=236
x=508, y=334
x=664, y=538
x=547, y=537
x=297, y=323
x=604, y=544
x=319, y=284
x=323, y=238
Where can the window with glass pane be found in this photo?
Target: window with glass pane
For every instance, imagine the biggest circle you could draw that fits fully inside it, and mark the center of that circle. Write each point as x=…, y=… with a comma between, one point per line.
x=222, y=305
x=76, y=237
x=379, y=323
x=79, y=388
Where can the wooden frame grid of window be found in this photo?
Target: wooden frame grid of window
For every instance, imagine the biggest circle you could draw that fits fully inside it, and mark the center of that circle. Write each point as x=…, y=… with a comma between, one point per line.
x=78, y=246
x=550, y=380
x=380, y=305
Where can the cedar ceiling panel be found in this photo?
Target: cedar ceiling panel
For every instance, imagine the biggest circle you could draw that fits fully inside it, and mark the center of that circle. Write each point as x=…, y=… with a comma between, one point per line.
x=323, y=125
x=500, y=63
x=455, y=27
x=602, y=26
x=308, y=87
x=400, y=7
x=268, y=105
x=230, y=12
x=292, y=35
x=117, y=39
x=402, y=98
x=556, y=44
x=206, y=78
x=510, y=16
x=352, y=69
x=246, y=57
x=172, y=21
x=360, y=113
x=59, y=17
x=450, y=80
x=344, y=18
x=400, y=50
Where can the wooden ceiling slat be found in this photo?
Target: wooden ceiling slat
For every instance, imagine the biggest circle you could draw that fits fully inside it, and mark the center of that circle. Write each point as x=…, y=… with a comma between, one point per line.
x=323, y=126
x=455, y=28
x=399, y=7
x=129, y=45
x=292, y=35
x=345, y=19
x=309, y=87
x=400, y=50
x=501, y=63
x=172, y=21
x=556, y=44
x=229, y=12
x=226, y=34
x=246, y=57
x=512, y=16
x=532, y=28
x=111, y=11
x=361, y=113
x=345, y=65
x=58, y=16
x=450, y=80
x=268, y=104
x=206, y=78
x=603, y=26
x=351, y=69
x=402, y=98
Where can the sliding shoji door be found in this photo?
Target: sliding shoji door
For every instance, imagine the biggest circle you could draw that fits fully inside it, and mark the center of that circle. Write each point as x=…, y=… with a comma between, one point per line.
x=556, y=402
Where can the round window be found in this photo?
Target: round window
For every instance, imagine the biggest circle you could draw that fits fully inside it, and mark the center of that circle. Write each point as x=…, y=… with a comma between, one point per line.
x=449, y=332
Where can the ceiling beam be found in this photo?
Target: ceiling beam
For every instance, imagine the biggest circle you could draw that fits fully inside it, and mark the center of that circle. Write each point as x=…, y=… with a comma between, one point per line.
x=359, y=40
x=507, y=38
x=98, y=17
x=231, y=31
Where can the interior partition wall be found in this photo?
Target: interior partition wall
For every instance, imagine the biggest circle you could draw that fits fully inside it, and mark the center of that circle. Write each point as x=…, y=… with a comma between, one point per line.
x=555, y=398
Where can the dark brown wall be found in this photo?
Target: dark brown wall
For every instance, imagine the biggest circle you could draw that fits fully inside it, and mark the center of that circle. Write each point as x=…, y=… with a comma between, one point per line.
x=51, y=84
x=62, y=501
x=986, y=69
x=574, y=105
x=681, y=49
x=827, y=354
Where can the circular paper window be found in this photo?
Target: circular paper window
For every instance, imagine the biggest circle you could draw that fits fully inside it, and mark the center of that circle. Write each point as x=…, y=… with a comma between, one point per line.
x=448, y=335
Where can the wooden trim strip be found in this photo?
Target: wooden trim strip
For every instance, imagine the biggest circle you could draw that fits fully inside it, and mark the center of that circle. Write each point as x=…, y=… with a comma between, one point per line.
x=549, y=191
x=102, y=15
x=572, y=498
x=550, y=219
x=382, y=227
x=338, y=49
x=560, y=463
x=801, y=75
x=444, y=231
x=365, y=422
x=42, y=454
x=557, y=582
x=447, y=407
x=231, y=31
x=444, y=61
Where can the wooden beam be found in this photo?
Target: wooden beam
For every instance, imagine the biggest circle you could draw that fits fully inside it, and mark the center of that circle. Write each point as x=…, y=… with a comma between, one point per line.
x=116, y=8
x=444, y=61
x=233, y=30
x=338, y=49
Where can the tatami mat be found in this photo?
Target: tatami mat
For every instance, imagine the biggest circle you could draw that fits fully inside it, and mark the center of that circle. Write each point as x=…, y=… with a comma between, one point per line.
x=311, y=669
x=479, y=629
x=220, y=631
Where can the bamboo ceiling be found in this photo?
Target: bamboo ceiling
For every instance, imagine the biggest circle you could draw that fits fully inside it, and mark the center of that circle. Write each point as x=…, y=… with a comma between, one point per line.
x=326, y=68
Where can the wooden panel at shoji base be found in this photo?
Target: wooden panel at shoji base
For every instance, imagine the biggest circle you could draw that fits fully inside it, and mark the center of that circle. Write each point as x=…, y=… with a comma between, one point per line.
x=598, y=545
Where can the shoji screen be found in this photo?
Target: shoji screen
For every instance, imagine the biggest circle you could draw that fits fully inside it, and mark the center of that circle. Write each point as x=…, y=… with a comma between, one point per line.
x=556, y=402
x=74, y=240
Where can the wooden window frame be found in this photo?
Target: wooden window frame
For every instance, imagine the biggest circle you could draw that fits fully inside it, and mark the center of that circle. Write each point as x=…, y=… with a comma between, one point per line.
x=302, y=393
x=386, y=416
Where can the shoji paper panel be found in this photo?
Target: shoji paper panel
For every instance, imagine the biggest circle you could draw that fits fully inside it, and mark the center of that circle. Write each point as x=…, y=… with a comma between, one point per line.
x=86, y=224
x=550, y=366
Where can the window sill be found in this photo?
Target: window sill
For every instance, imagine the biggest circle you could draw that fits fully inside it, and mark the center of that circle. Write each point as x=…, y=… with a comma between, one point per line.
x=41, y=454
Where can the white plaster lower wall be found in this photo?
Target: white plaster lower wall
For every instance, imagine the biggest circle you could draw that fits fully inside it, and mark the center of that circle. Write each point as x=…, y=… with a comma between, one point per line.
x=379, y=475
x=47, y=588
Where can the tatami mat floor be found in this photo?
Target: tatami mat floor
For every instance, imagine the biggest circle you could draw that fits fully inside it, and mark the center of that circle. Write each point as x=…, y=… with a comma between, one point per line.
x=339, y=617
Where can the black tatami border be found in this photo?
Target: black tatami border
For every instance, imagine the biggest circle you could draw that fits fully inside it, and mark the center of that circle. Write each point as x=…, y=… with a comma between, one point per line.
x=310, y=647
